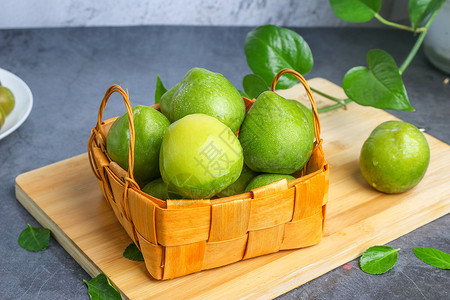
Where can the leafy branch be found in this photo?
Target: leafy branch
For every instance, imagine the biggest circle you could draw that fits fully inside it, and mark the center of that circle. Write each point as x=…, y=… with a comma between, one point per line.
x=270, y=48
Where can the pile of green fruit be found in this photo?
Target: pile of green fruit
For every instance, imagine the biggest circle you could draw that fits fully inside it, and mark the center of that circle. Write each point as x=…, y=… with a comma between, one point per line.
x=7, y=103
x=190, y=149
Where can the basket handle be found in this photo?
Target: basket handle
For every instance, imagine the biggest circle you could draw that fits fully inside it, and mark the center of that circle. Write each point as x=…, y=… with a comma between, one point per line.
x=111, y=90
x=310, y=96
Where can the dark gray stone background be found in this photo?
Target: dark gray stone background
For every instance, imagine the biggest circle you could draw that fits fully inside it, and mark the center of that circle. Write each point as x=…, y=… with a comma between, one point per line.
x=68, y=71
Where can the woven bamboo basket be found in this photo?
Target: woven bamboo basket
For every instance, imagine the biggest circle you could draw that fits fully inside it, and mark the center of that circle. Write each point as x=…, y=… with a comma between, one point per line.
x=179, y=237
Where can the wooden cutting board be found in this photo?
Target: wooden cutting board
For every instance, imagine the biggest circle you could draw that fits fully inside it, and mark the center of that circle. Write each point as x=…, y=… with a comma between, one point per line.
x=65, y=198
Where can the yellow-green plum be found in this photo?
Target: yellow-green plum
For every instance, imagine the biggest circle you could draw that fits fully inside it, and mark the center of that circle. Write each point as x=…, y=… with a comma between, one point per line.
x=200, y=156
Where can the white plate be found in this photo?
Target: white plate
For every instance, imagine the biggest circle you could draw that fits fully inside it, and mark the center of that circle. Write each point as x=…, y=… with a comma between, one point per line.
x=24, y=102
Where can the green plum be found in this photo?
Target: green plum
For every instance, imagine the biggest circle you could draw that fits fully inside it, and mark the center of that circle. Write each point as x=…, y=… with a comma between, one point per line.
x=150, y=126
x=265, y=179
x=239, y=186
x=276, y=135
x=199, y=157
x=205, y=92
x=7, y=100
x=159, y=189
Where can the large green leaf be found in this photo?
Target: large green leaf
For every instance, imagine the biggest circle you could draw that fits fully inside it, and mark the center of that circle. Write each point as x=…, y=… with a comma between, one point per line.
x=357, y=11
x=419, y=10
x=270, y=48
x=254, y=85
x=34, y=239
x=380, y=86
x=100, y=288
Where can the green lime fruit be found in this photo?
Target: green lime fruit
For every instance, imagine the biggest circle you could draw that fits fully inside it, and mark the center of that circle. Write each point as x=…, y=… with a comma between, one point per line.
x=2, y=117
x=265, y=179
x=395, y=157
x=149, y=126
x=159, y=189
x=166, y=99
x=7, y=100
x=276, y=135
x=200, y=156
x=205, y=92
x=238, y=187
x=308, y=113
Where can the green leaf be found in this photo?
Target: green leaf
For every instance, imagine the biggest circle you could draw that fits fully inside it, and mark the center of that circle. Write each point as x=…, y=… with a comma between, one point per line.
x=434, y=257
x=254, y=85
x=381, y=86
x=357, y=11
x=100, y=288
x=160, y=89
x=419, y=10
x=34, y=239
x=133, y=253
x=270, y=48
x=378, y=259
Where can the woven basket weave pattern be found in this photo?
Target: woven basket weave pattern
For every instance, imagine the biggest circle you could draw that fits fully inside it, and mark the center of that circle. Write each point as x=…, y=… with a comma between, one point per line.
x=179, y=237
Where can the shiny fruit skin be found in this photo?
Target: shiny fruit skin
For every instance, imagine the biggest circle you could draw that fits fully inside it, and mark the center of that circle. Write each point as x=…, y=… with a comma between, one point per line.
x=7, y=100
x=395, y=157
x=238, y=187
x=205, y=92
x=265, y=179
x=276, y=135
x=150, y=126
x=200, y=156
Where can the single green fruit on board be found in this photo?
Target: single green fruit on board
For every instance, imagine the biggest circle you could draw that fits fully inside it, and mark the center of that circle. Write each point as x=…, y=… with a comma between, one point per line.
x=205, y=92
x=276, y=135
x=200, y=156
x=238, y=187
x=150, y=126
x=265, y=179
x=395, y=157
x=7, y=100
x=159, y=189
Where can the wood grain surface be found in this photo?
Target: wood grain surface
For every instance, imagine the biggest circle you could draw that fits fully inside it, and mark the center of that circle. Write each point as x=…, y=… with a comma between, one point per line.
x=65, y=198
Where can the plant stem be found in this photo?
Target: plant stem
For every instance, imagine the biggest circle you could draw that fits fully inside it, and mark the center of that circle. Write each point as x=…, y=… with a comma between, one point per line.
x=418, y=43
x=341, y=101
x=333, y=107
x=396, y=25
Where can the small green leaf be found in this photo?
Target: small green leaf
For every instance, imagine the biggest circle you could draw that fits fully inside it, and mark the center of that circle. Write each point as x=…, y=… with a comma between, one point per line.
x=381, y=86
x=133, y=253
x=34, y=239
x=434, y=257
x=270, y=48
x=100, y=288
x=357, y=11
x=160, y=89
x=254, y=85
x=419, y=10
x=378, y=259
